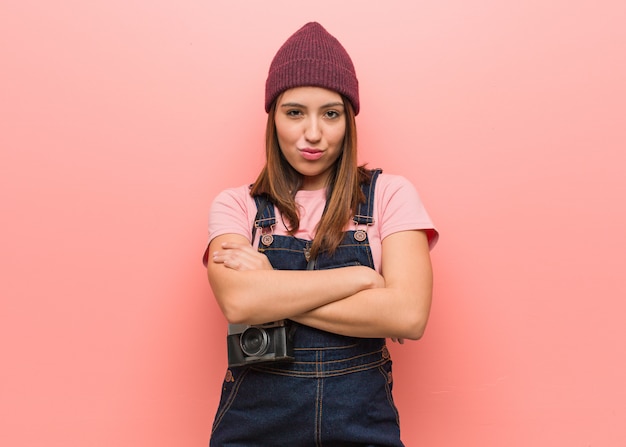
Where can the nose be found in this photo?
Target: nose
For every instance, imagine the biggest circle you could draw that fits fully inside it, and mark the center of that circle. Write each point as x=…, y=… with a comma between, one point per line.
x=313, y=132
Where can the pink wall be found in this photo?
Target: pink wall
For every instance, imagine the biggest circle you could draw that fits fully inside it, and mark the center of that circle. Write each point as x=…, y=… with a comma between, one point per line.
x=120, y=120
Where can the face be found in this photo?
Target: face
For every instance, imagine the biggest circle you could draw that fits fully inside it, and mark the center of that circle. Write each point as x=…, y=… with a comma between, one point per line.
x=310, y=126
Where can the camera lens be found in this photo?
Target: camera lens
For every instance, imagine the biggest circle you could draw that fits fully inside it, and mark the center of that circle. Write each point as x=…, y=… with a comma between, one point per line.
x=254, y=341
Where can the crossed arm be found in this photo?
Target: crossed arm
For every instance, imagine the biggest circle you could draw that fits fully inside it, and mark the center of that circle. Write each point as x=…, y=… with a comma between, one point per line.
x=354, y=301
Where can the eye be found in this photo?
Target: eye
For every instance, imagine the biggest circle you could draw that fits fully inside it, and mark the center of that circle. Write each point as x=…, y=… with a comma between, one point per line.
x=332, y=114
x=293, y=113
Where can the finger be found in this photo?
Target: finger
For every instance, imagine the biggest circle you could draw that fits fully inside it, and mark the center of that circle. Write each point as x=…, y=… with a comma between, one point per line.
x=250, y=257
x=241, y=257
x=229, y=245
x=232, y=264
x=220, y=256
x=238, y=250
x=236, y=260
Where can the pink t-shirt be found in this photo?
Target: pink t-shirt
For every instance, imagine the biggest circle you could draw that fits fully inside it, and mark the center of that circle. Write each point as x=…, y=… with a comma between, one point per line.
x=397, y=207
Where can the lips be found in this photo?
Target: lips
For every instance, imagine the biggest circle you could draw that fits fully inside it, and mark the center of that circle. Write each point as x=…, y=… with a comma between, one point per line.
x=311, y=154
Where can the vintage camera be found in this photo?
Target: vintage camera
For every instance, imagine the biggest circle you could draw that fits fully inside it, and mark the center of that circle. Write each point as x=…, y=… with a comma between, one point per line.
x=268, y=342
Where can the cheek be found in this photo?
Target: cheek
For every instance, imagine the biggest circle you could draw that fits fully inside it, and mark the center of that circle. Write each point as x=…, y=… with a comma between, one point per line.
x=338, y=135
x=285, y=134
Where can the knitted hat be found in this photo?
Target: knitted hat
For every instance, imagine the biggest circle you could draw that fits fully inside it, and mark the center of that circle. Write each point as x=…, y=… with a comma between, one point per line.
x=312, y=57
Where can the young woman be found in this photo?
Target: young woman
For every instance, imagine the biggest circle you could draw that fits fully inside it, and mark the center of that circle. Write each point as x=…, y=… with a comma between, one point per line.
x=334, y=255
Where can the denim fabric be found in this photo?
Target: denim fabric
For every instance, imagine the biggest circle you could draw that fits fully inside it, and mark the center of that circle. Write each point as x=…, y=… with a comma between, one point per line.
x=337, y=391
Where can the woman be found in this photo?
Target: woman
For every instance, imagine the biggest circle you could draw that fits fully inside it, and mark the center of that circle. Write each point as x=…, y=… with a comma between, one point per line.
x=336, y=252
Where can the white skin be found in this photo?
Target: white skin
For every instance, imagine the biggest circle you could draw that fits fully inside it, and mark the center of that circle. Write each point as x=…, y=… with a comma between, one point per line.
x=354, y=301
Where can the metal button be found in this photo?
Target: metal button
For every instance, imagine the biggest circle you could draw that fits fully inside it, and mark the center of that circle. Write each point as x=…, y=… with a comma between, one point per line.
x=360, y=235
x=229, y=376
x=267, y=239
x=385, y=352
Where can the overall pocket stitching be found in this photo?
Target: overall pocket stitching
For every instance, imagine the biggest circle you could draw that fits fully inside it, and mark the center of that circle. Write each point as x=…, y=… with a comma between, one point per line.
x=230, y=399
x=384, y=372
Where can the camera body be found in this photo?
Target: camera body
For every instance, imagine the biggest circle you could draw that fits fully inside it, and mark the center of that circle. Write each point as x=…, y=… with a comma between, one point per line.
x=267, y=342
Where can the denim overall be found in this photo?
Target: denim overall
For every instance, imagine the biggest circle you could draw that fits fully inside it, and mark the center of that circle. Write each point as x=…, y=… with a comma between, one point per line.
x=337, y=392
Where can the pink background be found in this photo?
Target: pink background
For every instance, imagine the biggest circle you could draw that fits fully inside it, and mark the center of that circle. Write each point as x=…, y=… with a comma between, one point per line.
x=120, y=120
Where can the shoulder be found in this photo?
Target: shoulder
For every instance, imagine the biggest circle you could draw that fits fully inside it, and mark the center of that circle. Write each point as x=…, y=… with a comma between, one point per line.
x=232, y=211
x=395, y=187
x=399, y=207
x=237, y=198
x=393, y=180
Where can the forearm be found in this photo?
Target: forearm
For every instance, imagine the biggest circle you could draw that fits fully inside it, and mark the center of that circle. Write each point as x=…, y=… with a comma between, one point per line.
x=399, y=309
x=354, y=301
x=382, y=312
x=259, y=296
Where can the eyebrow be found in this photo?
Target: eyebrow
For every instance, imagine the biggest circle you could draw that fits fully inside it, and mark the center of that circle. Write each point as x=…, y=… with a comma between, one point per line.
x=325, y=106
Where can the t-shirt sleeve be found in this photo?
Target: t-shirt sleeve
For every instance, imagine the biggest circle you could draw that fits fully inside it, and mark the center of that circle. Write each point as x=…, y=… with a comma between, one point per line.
x=401, y=208
x=230, y=214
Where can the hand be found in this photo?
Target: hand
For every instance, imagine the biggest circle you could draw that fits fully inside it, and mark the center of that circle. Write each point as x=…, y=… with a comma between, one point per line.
x=397, y=340
x=241, y=257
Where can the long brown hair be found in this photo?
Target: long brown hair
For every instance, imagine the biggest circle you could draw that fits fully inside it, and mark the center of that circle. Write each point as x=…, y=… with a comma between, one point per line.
x=280, y=182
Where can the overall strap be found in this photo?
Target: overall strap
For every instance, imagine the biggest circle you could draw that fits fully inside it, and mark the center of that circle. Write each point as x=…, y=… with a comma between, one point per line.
x=365, y=212
x=264, y=215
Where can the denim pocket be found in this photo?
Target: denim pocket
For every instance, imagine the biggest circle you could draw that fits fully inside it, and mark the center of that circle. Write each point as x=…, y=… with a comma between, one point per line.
x=387, y=374
x=232, y=382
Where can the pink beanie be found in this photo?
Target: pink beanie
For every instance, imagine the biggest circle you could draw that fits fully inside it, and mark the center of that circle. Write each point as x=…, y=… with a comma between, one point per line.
x=312, y=57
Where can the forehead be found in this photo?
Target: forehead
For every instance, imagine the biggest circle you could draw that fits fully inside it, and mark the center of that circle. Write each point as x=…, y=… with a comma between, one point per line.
x=309, y=96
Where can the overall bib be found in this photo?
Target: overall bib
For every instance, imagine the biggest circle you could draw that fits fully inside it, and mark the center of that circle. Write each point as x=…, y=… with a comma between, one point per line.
x=337, y=391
